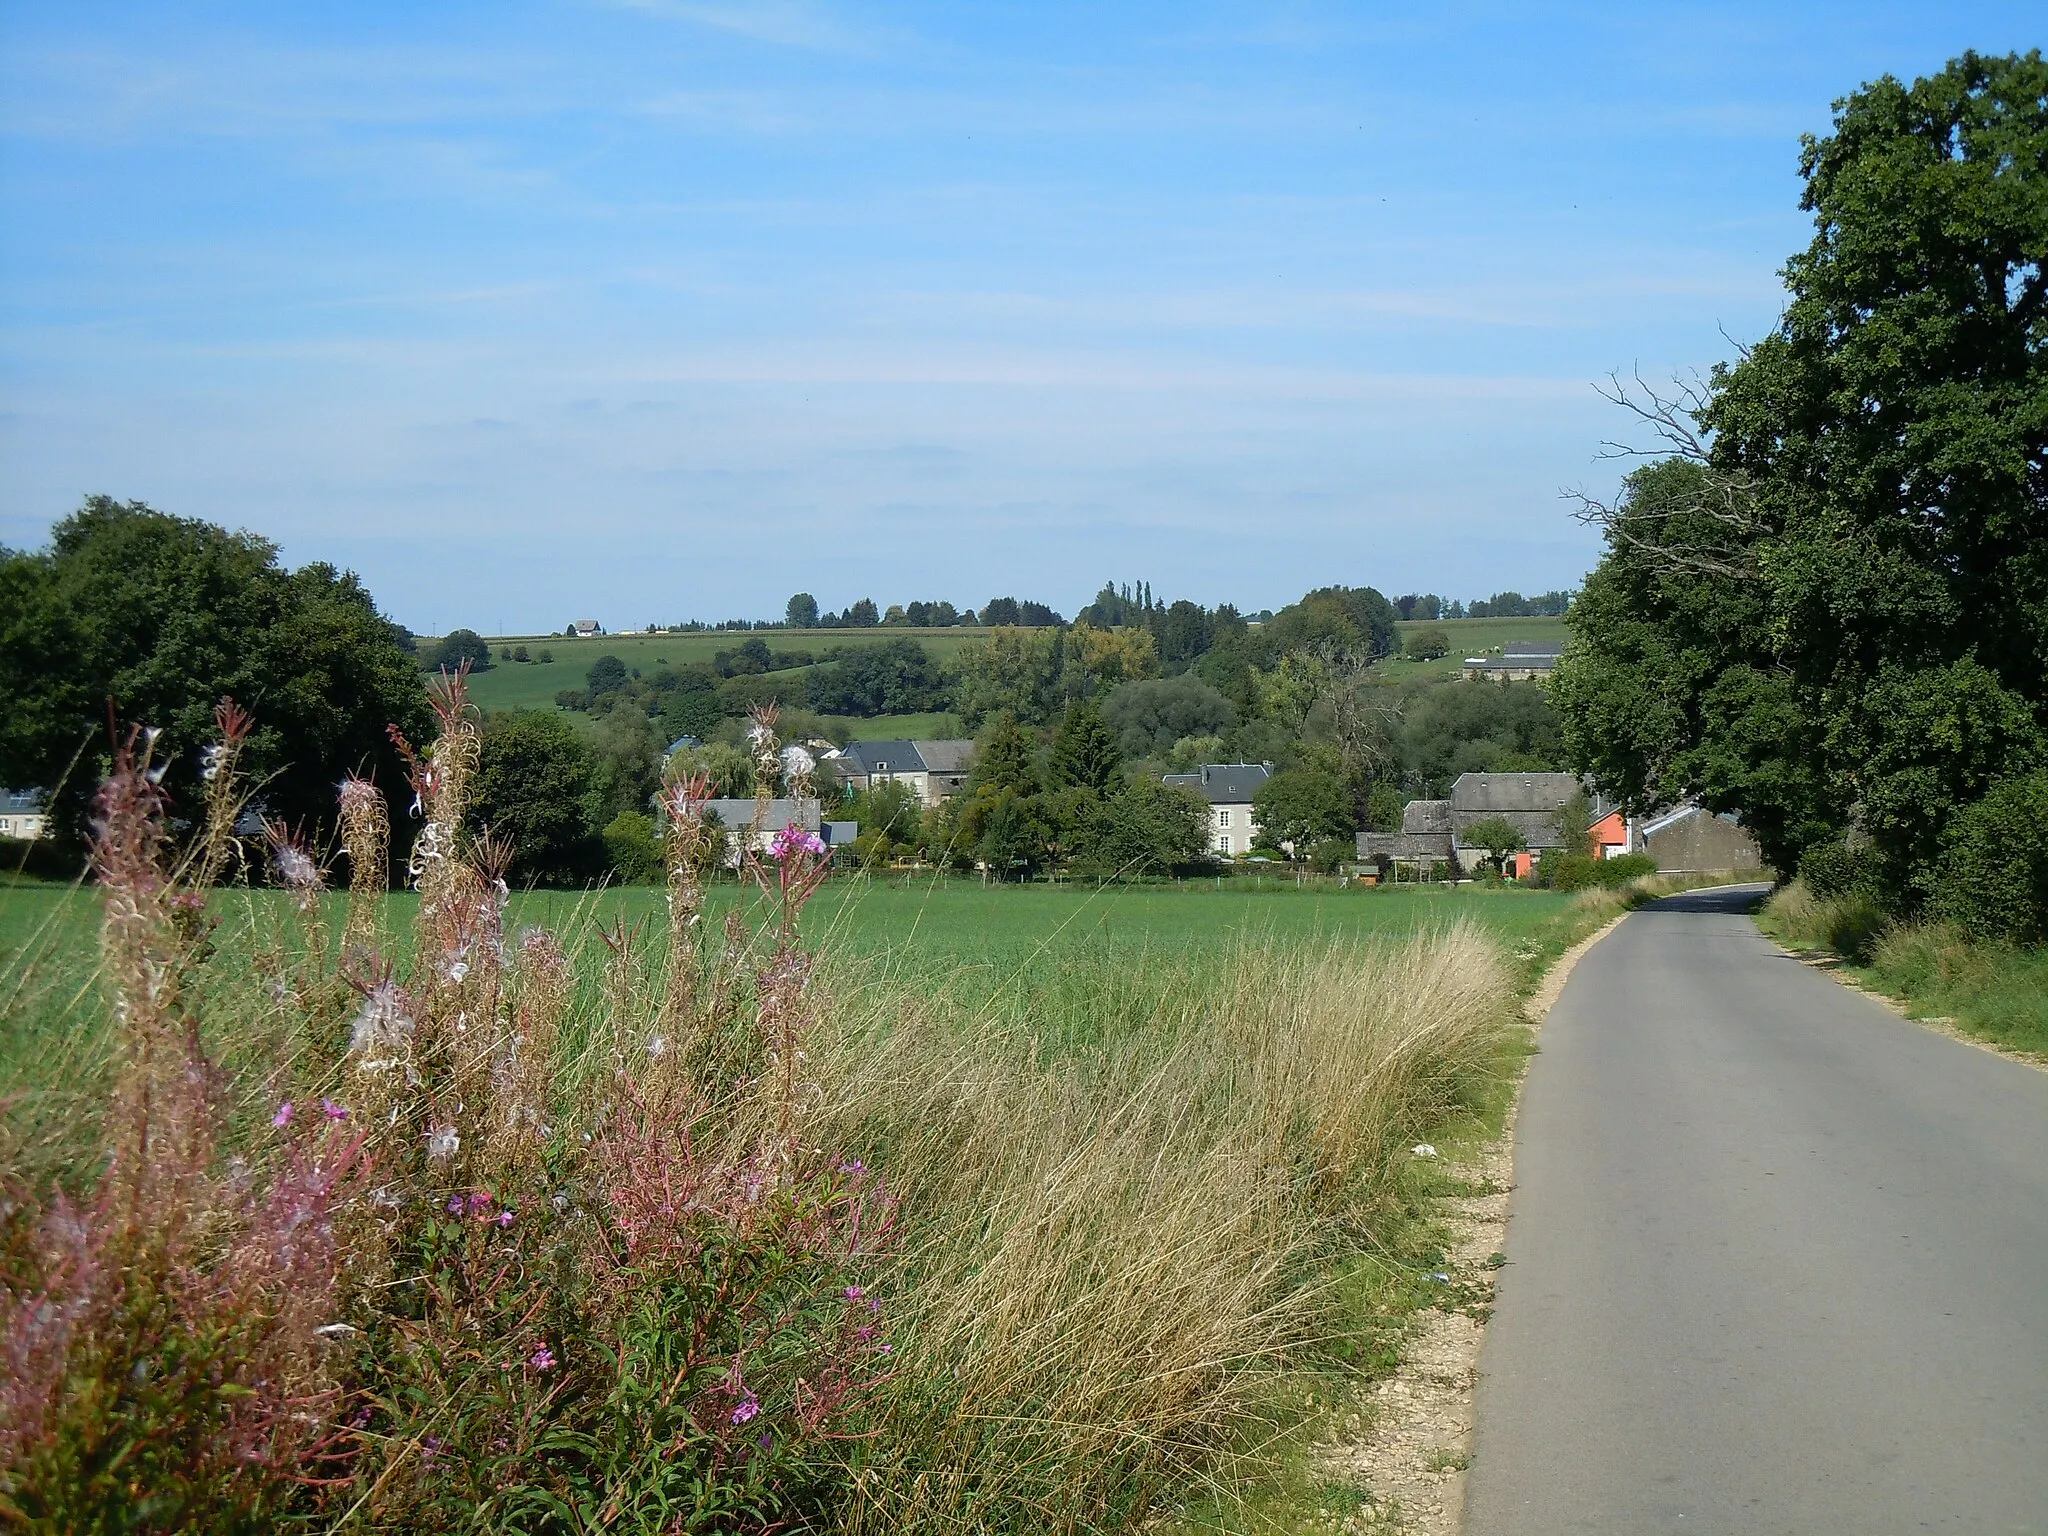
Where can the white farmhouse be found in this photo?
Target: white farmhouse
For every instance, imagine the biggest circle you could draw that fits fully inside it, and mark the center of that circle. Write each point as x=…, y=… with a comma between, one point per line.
x=1229, y=788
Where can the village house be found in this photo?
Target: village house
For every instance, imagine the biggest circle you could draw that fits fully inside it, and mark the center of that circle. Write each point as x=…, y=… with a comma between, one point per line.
x=587, y=629
x=1520, y=661
x=1229, y=788
x=737, y=816
x=933, y=770
x=23, y=815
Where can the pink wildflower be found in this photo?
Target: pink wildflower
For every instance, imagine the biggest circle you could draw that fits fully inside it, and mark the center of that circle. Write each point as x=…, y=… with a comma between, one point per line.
x=749, y=1406
x=505, y=1217
x=855, y=1293
x=542, y=1359
x=283, y=1117
x=792, y=840
x=332, y=1110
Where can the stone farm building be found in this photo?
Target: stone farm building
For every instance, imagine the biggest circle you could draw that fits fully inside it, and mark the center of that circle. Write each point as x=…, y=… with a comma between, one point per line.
x=1520, y=661
x=1229, y=788
x=1686, y=839
x=934, y=770
x=1434, y=831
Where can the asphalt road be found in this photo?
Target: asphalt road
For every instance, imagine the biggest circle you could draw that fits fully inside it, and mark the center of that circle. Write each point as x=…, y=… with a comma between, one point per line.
x=1777, y=1259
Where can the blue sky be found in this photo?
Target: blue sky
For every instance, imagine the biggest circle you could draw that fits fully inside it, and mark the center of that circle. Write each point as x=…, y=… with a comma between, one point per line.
x=665, y=309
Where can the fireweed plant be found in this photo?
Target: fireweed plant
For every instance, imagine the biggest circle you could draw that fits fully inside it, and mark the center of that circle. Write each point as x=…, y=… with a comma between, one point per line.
x=449, y=1283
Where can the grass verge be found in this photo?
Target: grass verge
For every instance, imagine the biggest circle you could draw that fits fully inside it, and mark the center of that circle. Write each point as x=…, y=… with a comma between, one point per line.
x=1990, y=992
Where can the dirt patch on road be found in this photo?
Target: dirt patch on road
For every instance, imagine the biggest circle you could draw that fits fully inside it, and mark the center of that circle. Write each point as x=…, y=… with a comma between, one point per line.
x=1411, y=1457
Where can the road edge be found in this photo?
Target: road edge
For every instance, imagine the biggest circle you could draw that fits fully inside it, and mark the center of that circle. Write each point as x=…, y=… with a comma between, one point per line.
x=1832, y=965
x=1416, y=1455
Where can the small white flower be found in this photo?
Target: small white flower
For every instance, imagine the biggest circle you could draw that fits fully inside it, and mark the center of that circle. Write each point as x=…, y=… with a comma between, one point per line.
x=657, y=1046
x=335, y=1330
x=456, y=971
x=211, y=760
x=1425, y=1150
x=382, y=1025
x=443, y=1144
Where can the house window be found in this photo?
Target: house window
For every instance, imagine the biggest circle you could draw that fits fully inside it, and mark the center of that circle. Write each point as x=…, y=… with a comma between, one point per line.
x=1223, y=818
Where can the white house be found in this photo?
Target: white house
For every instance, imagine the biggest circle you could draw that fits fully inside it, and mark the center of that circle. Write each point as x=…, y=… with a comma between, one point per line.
x=1229, y=789
x=22, y=814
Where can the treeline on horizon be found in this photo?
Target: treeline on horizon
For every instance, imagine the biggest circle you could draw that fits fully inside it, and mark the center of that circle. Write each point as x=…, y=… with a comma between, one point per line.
x=1114, y=606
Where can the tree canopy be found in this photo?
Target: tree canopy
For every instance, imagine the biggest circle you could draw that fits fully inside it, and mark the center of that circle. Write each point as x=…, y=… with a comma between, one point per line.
x=161, y=617
x=1830, y=607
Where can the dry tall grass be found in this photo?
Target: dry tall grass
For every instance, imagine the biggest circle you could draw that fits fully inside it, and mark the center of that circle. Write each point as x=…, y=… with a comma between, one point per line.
x=1109, y=1253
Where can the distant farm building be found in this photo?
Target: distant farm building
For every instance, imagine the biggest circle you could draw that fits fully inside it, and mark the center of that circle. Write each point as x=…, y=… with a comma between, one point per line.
x=737, y=817
x=1520, y=661
x=1690, y=839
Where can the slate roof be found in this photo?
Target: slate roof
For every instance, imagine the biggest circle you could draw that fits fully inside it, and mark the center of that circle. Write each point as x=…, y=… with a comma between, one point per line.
x=1425, y=817
x=22, y=802
x=949, y=756
x=1223, y=783
x=737, y=815
x=1529, y=801
x=860, y=758
x=1533, y=648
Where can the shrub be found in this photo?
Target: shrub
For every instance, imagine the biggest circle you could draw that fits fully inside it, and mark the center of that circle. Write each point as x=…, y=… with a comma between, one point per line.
x=1833, y=869
x=1327, y=856
x=633, y=847
x=1993, y=878
x=1850, y=925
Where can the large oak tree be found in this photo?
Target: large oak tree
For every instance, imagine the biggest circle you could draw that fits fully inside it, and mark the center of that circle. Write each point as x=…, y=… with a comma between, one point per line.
x=1830, y=608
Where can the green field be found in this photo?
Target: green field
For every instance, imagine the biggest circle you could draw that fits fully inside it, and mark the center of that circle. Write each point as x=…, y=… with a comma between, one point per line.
x=534, y=684
x=974, y=939
x=952, y=924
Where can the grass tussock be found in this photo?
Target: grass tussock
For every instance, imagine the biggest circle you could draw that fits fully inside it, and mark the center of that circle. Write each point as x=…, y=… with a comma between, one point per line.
x=1109, y=1254
x=1997, y=992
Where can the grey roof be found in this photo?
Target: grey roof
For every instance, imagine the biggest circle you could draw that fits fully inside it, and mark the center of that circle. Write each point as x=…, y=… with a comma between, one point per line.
x=1533, y=648
x=1425, y=817
x=1488, y=793
x=22, y=802
x=865, y=757
x=950, y=756
x=737, y=815
x=1223, y=783
x=1528, y=801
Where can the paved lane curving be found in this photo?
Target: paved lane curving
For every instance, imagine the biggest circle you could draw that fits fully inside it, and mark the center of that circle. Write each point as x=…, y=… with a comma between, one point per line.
x=1777, y=1259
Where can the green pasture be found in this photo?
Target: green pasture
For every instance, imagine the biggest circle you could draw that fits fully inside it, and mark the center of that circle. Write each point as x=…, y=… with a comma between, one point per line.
x=1468, y=637
x=947, y=924
x=534, y=684
x=1022, y=949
